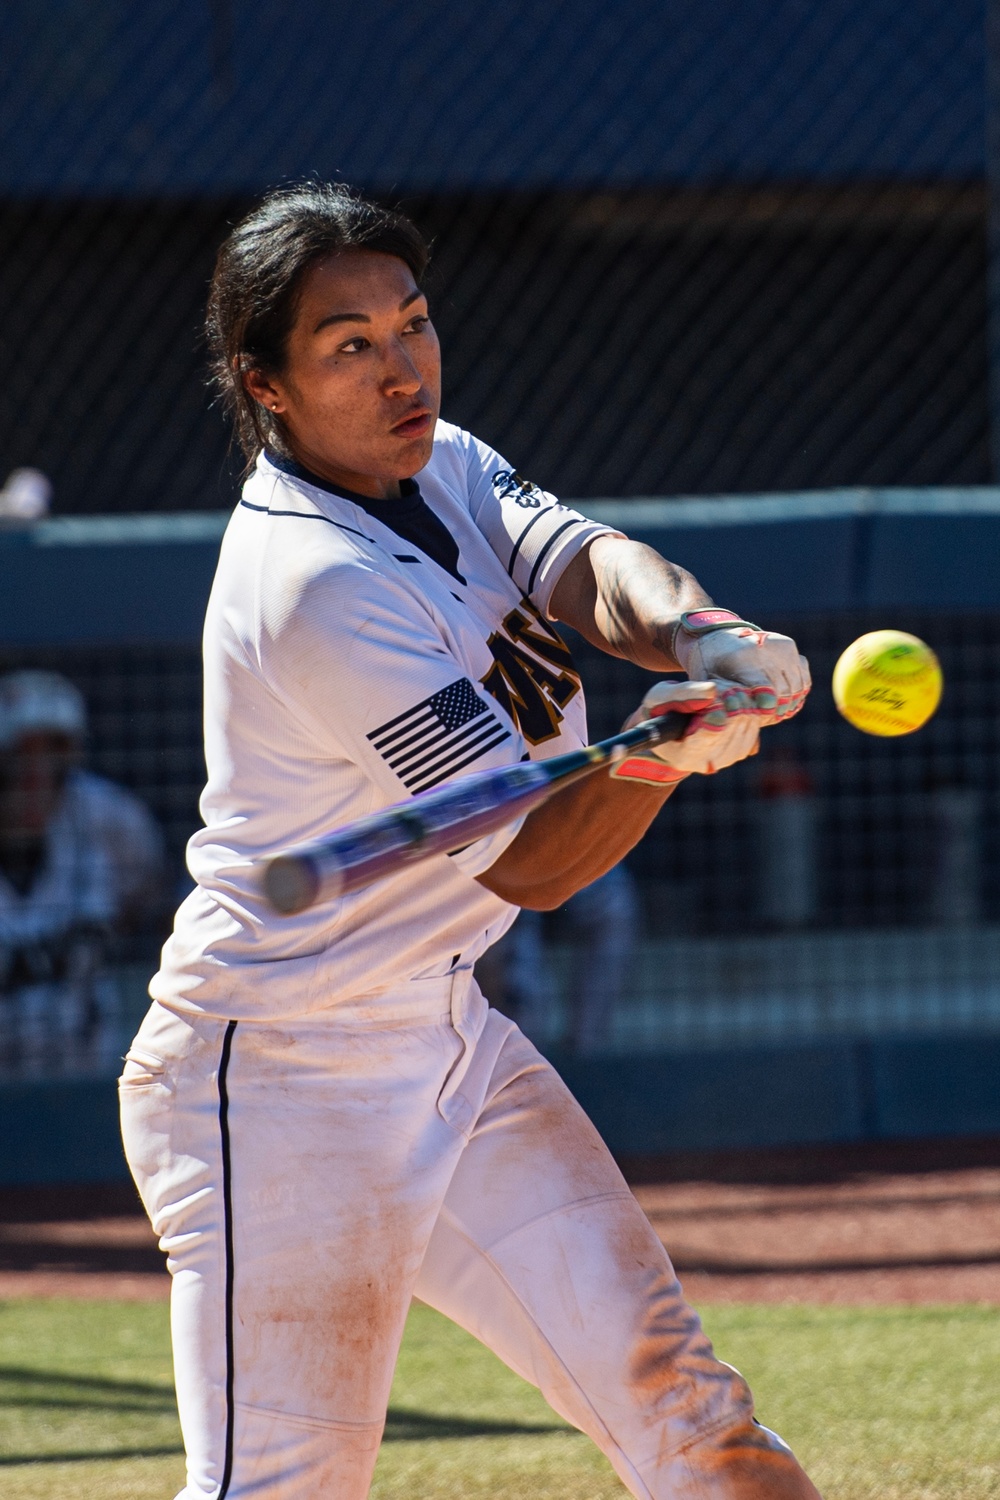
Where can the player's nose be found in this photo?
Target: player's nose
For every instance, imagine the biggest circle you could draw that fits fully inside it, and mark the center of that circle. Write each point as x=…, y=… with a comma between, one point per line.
x=401, y=376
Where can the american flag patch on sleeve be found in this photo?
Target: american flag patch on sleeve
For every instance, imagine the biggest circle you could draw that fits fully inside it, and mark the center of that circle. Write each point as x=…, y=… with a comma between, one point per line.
x=438, y=737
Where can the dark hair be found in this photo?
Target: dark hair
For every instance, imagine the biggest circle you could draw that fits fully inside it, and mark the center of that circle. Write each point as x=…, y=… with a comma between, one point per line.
x=258, y=276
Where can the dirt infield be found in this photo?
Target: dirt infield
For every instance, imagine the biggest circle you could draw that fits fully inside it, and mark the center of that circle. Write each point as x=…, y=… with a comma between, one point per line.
x=912, y=1222
x=909, y=1222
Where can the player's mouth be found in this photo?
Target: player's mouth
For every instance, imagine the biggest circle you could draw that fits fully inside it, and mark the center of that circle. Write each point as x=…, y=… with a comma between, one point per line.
x=416, y=425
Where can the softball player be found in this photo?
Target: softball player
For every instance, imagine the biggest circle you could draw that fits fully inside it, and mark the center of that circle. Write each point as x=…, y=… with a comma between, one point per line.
x=322, y=1115
x=80, y=858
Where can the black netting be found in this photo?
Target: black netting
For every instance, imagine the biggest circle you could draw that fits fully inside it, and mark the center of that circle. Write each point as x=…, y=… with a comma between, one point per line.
x=678, y=249
x=877, y=803
x=836, y=884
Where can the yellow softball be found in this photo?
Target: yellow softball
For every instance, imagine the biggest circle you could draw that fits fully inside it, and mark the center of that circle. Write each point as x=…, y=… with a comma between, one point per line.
x=887, y=682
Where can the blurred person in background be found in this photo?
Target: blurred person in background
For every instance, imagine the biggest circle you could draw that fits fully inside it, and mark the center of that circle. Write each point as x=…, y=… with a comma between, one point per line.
x=81, y=861
x=600, y=923
x=604, y=923
x=788, y=842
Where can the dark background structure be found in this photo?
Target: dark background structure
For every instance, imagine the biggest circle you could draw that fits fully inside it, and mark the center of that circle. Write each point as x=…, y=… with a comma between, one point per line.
x=678, y=249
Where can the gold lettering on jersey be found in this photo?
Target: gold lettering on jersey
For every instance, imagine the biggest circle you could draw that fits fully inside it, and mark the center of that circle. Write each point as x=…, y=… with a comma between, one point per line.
x=532, y=676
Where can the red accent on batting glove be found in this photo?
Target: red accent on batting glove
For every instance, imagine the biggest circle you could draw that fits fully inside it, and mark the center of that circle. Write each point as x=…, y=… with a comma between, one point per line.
x=700, y=621
x=656, y=771
x=682, y=706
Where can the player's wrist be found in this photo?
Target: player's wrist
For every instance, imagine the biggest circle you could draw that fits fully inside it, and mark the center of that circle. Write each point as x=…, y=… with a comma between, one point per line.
x=692, y=625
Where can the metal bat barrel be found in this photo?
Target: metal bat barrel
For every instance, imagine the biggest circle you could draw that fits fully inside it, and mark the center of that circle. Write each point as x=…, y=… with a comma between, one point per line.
x=442, y=821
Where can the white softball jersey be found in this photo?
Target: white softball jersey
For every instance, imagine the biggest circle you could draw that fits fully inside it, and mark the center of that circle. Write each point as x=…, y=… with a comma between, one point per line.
x=384, y=1134
x=348, y=666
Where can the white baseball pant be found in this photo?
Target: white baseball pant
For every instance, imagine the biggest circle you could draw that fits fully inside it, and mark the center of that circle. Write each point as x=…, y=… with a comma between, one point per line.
x=307, y=1178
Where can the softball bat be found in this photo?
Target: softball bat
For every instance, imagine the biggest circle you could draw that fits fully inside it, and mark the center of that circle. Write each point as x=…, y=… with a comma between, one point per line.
x=442, y=821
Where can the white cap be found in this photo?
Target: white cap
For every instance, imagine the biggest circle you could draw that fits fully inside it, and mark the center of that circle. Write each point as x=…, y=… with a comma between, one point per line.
x=39, y=703
x=26, y=496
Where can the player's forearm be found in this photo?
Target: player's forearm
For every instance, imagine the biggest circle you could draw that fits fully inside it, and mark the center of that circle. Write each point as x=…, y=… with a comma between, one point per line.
x=573, y=839
x=625, y=598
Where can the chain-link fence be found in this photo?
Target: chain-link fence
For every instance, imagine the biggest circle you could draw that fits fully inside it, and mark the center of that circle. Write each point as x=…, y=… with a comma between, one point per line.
x=835, y=885
x=677, y=249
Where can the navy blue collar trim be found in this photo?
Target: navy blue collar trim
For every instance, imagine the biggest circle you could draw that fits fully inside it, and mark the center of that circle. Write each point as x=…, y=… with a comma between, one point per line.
x=307, y=515
x=409, y=489
x=410, y=517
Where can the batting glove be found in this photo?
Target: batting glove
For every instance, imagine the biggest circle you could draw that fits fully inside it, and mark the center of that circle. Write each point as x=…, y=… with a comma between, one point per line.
x=716, y=643
x=724, y=728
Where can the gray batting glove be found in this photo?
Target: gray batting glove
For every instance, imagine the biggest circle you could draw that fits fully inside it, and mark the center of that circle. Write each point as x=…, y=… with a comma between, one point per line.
x=766, y=664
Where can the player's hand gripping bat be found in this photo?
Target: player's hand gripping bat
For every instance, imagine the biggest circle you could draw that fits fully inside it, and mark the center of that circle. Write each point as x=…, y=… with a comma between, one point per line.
x=442, y=821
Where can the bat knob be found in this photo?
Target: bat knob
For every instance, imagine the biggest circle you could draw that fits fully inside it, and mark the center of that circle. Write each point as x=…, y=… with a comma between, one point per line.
x=291, y=883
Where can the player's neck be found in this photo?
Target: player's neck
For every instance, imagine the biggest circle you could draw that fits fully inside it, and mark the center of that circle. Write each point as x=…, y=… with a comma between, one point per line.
x=371, y=486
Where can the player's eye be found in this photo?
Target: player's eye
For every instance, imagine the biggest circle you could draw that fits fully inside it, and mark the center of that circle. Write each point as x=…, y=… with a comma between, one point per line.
x=418, y=324
x=354, y=346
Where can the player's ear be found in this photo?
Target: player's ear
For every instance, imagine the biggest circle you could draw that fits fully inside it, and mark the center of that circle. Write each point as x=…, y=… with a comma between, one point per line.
x=257, y=385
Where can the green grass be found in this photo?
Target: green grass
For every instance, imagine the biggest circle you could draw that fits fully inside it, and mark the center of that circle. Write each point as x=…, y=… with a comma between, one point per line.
x=86, y=1401
x=881, y=1404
